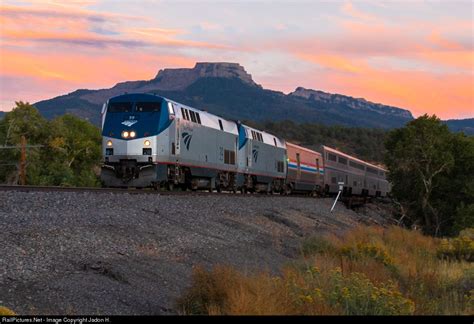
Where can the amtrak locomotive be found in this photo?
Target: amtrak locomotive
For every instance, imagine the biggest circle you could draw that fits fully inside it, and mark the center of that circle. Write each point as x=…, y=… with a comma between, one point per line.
x=152, y=141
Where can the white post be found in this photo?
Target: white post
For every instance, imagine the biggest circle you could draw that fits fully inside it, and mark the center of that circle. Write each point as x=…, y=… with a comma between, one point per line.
x=341, y=186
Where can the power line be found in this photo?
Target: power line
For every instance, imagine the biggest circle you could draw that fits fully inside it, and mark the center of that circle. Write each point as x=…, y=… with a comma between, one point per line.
x=19, y=147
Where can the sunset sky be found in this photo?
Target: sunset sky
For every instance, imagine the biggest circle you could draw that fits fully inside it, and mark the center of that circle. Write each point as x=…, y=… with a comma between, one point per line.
x=416, y=55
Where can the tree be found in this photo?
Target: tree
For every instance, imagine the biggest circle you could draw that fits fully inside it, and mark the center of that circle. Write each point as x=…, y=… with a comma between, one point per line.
x=70, y=152
x=427, y=168
x=73, y=151
x=23, y=120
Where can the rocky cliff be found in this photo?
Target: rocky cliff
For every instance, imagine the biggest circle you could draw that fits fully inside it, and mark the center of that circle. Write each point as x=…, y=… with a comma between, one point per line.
x=354, y=103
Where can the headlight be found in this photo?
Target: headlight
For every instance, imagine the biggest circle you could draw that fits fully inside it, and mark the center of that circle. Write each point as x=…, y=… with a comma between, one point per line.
x=125, y=134
x=147, y=143
x=109, y=143
x=133, y=134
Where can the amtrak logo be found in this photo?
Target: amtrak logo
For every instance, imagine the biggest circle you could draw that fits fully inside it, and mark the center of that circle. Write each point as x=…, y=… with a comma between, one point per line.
x=187, y=139
x=255, y=155
x=129, y=122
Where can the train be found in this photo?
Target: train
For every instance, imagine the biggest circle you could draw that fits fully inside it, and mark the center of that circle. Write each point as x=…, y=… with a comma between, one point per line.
x=152, y=141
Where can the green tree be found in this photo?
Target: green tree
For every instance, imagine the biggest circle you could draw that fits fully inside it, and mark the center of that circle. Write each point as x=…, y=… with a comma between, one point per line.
x=430, y=170
x=70, y=152
x=73, y=152
x=23, y=120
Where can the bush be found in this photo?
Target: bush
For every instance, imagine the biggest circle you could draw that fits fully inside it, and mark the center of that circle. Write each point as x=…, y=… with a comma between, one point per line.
x=357, y=295
x=459, y=248
x=367, y=250
x=6, y=311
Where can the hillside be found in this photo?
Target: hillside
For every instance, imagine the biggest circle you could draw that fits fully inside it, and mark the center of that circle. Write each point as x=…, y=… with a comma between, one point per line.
x=228, y=90
x=461, y=125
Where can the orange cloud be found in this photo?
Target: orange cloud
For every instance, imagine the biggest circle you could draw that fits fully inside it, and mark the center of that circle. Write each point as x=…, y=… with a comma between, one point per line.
x=335, y=62
x=55, y=73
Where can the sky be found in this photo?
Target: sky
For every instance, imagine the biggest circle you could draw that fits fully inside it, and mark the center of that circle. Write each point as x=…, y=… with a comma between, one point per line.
x=416, y=55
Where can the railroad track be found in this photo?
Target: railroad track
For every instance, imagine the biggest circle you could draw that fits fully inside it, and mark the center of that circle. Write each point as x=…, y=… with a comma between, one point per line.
x=136, y=191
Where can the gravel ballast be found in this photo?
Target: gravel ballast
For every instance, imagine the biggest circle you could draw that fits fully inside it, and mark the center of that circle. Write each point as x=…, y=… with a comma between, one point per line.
x=117, y=253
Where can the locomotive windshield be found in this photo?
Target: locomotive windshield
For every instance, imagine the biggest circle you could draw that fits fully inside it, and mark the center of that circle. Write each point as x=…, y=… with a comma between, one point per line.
x=148, y=106
x=119, y=107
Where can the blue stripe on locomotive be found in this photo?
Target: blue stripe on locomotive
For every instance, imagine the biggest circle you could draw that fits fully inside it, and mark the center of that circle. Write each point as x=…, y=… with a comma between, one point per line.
x=242, y=136
x=149, y=123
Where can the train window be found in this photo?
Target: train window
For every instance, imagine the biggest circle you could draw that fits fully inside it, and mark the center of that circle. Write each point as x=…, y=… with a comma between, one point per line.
x=187, y=114
x=253, y=135
x=332, y=157
x=226, y=156
x=182, y=113
x=193, y=116
x=356, y=165
x=148, y=106
x=371, y=170
x=229, y=157
x=275, y=141
x=342, y=160
x=280, y=166
x=261, y=137
x=119, y=107
x=198, y=118
x=220, y=125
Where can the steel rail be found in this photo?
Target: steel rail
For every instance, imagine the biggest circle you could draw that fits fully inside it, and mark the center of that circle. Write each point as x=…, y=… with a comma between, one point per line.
x=142, y=191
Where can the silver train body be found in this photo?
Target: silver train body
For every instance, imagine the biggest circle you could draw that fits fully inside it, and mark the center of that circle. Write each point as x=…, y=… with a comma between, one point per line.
x=176, y=145
x=152, y=141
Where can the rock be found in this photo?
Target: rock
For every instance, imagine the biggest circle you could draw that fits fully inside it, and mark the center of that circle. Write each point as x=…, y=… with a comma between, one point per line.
x=178, y=79
x=354, y=103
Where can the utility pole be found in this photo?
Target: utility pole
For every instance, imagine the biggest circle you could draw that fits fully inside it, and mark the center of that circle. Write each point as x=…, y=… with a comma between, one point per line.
x=23, y=161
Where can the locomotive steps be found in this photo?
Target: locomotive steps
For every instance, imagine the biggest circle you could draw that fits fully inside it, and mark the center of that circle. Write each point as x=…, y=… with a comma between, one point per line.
x=119, y=253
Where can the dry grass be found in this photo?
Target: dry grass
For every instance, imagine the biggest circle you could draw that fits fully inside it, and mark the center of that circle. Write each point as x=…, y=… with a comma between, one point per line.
x=371, y=270
x=6, y=311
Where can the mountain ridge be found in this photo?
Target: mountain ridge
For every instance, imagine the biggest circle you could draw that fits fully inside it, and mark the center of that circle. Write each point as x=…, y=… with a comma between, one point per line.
x=227, y=89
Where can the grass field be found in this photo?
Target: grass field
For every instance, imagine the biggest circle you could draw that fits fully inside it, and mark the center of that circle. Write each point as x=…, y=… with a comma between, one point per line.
x=368, y=271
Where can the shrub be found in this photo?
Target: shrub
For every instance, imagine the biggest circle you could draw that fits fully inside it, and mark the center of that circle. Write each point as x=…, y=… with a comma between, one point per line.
x=209, y=290
x=459, y=248
x=357, y=295
x=367, y=250
x=6, y=311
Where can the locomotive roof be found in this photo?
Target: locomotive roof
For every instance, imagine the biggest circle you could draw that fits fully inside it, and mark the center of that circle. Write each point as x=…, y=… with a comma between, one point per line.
x=327, y=148
x=267, y=137
x=208, y=119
